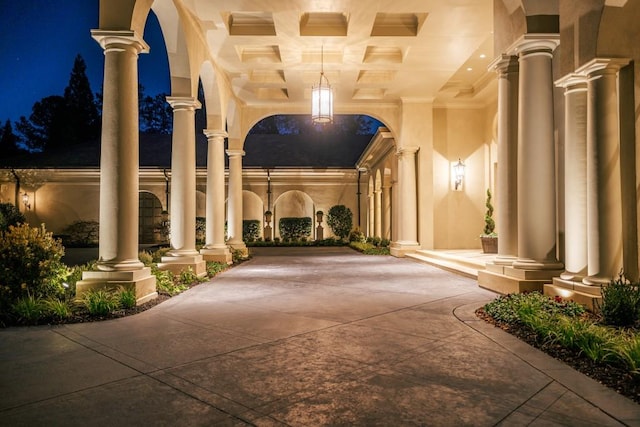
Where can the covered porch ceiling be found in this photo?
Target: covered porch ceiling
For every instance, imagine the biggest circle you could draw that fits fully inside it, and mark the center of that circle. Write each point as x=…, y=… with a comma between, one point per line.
x=375, y=52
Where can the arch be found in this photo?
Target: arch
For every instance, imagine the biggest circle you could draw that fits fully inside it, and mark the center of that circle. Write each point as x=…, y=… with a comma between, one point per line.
x=292, y=203
x=252, y=205
x=149, y=215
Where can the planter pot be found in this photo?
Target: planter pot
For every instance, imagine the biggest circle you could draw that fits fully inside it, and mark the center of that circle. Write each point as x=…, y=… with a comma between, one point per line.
x=489, y=244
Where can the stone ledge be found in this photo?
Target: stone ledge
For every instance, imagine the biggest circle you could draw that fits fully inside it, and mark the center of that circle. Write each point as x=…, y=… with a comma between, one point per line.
x=508, y=285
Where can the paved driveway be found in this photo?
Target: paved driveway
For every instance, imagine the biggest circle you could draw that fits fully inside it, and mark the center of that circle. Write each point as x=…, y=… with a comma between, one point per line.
x=299, y=336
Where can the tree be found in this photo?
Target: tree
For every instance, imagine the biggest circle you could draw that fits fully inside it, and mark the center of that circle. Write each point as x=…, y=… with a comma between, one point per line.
x=156, y=115
x=46, y=127
x=340, y=219
x=8, y=141
x=81, y=110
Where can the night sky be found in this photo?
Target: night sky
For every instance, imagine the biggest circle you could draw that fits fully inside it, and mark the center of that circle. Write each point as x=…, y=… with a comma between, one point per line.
x=39, y=40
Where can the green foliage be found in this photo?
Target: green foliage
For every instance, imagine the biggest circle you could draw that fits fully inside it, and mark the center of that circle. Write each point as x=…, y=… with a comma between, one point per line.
x=81, y=234
x=30, y=263
x=369, y=248
x=340, y=219
x=620, y=302
x=250, y=230
x=127, y=297
x=237, y=256
x=189, y=278
x=100, y=302
x=294, y=228
x=8, y=141
x=489, y=223
x=157, y=255
x=58, y=308
x=201, y=227
x=166, y=283
x=10, y=215
x=146, y=258
x=214, y=268
x=506, y=307
x=29, y=309
x=76, y=274
x=357, y=236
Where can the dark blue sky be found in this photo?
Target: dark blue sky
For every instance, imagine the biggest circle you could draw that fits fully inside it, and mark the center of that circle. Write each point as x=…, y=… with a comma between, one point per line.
x=39, y=40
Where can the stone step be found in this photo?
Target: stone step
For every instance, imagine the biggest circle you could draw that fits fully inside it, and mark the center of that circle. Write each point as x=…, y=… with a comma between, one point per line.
x=466, y=263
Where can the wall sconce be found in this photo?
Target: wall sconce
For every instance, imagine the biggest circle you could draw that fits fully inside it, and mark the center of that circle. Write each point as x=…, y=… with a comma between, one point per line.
x=458, y=173
x=25, y=201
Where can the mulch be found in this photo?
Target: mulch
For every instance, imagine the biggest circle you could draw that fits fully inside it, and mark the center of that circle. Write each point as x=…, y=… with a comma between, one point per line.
x=614, y=377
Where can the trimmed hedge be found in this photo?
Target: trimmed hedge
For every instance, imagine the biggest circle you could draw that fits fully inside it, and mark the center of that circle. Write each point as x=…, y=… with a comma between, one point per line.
x=295, y=228
x=250, y=230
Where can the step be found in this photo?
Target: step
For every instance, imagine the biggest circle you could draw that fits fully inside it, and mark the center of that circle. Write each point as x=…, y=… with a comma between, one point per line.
x=465, y=263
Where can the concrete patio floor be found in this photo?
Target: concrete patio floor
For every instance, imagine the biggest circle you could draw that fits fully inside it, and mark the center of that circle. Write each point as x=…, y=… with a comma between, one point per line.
x=302, y=337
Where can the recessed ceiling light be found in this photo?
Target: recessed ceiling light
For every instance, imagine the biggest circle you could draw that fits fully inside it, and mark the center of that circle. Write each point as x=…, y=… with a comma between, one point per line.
x=482, y=55
x=469, y=69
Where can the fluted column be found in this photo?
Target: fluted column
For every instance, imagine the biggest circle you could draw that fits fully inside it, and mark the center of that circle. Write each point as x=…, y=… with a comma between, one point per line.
x=507, y=171
x=407, y=214
x=234, y=203
x=118, y=263
x=604, y=187
x=378, y=212
x=215, y=248
x=575, y=176
x=183, y=251
x=386, y=212
x=536, y=157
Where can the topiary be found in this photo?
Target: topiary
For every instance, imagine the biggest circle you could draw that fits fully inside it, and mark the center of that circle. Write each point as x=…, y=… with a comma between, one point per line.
x=340, y=219
x=489, y=223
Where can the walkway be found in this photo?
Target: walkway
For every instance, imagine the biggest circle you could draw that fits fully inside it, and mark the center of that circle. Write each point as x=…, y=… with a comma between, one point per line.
x=303, y=337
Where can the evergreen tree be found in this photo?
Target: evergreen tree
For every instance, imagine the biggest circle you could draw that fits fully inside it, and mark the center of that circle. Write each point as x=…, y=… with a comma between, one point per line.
x=46, y=127
x=83, y=121
x=8, y=141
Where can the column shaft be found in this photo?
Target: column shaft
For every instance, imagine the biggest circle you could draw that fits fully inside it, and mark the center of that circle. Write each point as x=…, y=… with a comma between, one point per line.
x=386, y=212
x=378, y=212
x=234, y=203
x=507, y=170
x=372, y=219
x=407, y=218
x=536, y=159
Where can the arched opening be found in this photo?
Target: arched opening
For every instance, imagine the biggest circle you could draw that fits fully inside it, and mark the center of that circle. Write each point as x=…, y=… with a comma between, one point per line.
x=149, y=216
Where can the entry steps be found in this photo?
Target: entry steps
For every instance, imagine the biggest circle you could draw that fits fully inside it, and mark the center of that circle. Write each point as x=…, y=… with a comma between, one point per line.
x=462, y=261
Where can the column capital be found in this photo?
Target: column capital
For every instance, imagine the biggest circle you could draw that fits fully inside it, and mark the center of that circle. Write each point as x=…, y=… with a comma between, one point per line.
x=118, y=40
x=598, y=66
x=402, y=151
x=572, y=82
x=235, y=153
x=212, y=134
x=504, y=64
x=183, y=103
x=535, y=44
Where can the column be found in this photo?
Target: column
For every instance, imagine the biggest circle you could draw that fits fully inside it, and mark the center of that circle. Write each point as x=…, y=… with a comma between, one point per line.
x=183, y=253
x=234, y=203
x=215, y=248
x=536, y=159
x=378, y=212
x=507, y=171
x=386, y=211
x=119, y=162
x=575, y=179
x=371, y=219
x=604, y=187
x=407, y=211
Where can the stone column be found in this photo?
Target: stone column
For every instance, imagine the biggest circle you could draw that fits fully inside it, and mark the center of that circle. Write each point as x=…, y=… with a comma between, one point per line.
x=604, y=187
x=183, y=253
x=386, y=212
x=234, y=203
x=215, y=248
x=407, y=214
x=575, y=179
x=372, y=217
x=507, y=172
x=119, y=162
x=378, y=212
x=536, y=159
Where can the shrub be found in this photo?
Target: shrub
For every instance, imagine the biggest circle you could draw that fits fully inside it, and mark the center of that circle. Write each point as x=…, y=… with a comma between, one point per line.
x=156, y=256
x=188, y=277
x=369, y=248
x=489, y=223
x=81, y=234
x=620, y=302
x=30, y=263
x=10, y=215
x=250, y=230
x=214, y=268
x=201, y=227
x=166, y=283
x=57, y=308
x=146, y=258
x=357, y=236
x=294, y=228
x=76, y=275
x=340, y=219
x=385, y=243
x=127, y=297
x=29, y=309
x=100, y=302
x=505, y=308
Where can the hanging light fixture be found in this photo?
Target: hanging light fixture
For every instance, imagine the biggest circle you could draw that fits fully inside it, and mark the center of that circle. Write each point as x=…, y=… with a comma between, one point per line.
x=322, y=98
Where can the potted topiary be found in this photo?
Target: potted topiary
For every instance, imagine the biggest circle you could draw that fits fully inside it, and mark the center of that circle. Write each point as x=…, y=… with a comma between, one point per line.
x=489, y=237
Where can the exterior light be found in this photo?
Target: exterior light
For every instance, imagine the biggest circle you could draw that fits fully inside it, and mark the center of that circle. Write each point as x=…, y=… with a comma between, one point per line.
x=25, y=200
x=322, y=98
x=458, y=170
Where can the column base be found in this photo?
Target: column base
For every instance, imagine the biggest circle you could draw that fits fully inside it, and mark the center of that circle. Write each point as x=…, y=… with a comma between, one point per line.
x=239, y=246
x=504, y=284
x=222, y=254
x=401, y=248
x=177, y=264
x=535, y=265
x=504, y=259
x=588, y=296
x=141, y=280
